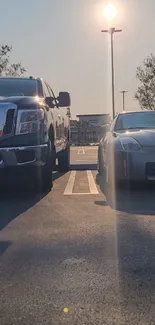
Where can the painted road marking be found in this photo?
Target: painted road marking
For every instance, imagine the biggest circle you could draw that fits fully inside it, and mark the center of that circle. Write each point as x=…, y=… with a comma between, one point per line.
x=79, y=194
x=81, y=160
x=71, y=181
x=92, y=185
x=70, y=184
x=86, y=148
x=81, y=150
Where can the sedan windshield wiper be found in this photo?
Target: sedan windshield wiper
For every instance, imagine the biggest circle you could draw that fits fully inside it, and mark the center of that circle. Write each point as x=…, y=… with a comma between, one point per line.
x=136, y=127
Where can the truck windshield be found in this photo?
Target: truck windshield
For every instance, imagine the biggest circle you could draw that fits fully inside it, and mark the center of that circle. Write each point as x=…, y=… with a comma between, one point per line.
x=18, y=87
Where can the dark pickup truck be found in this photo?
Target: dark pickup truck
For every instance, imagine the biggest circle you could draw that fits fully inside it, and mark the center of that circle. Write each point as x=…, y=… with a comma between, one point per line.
x=34, y=128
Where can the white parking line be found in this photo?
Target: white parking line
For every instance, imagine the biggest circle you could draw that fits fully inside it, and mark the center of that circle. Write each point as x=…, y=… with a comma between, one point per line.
x=71, y=181
x=86, y=148
x=79, y=194
x=92, y=185
x=81, y=150
x=70, y=184
x=81, y=160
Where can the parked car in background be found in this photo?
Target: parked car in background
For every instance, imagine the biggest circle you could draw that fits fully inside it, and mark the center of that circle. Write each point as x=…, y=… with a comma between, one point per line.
x=34, y=128
x=127, y=148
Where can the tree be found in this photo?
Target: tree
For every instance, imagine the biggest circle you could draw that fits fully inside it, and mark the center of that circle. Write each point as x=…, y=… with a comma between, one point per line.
x=146, y=91
x=7, y=69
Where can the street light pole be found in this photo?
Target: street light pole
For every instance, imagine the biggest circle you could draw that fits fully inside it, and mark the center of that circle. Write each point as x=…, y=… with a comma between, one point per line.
x=123, y=92
x=112, y=74
x=111, y=31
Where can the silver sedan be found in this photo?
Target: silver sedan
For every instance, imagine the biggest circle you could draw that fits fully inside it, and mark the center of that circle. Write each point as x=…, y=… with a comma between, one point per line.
x=127, y=148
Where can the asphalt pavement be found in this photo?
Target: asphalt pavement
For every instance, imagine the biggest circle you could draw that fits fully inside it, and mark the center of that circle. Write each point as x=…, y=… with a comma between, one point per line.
x=74, y=257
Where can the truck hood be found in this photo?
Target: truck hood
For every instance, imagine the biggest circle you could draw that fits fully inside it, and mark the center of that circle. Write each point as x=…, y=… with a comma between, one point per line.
x=143, y=137
x=23, y=101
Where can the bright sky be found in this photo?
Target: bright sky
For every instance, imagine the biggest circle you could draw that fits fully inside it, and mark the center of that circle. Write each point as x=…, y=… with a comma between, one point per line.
x=61, y=41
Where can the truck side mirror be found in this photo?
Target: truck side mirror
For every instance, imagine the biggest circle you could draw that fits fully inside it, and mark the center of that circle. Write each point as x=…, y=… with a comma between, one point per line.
x=49, y=102
x=64, y=99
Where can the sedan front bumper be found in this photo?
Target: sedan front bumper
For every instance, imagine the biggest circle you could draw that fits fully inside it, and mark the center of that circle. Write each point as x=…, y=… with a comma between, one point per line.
x=23, y=156
x=135, y=166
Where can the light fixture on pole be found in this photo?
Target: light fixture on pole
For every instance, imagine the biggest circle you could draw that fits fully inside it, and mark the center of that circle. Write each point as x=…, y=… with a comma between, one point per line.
x=123, y=92
x=110, y=12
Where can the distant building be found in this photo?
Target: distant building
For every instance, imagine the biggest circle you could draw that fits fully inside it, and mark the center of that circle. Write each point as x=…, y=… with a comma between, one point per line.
x=87, y=128
x=95, y=119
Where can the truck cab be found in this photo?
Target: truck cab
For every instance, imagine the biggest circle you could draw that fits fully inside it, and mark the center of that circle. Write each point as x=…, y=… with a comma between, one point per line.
x=34, y=127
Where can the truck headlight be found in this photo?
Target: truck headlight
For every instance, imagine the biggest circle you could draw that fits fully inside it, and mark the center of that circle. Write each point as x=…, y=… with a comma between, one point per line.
x=129, y=145
x=28, y=121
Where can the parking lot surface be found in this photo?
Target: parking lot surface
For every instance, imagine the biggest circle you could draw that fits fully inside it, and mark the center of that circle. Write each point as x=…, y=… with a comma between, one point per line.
x=71, y=256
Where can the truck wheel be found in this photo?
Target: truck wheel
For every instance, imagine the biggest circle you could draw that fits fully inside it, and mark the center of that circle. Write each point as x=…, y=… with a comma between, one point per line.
x=51, y=137
x=64, y=160
x=46, y=180
x=54, y=158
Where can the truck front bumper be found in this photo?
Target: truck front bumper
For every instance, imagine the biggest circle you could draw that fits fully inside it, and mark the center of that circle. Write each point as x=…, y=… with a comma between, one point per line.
x=23, y=156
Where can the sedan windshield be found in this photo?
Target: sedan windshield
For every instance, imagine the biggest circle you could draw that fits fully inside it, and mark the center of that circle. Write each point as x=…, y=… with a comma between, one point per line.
x=139, y=120
x=18, y=87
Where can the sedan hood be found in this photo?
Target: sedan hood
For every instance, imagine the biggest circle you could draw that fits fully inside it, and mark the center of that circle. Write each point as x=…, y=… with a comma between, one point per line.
x=143, y=137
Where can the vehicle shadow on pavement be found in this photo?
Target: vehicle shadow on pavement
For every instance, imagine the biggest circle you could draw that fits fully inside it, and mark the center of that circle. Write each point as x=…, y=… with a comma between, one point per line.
x=4, y=246
x=139, y=199
x=17, y=194
x=57, y=175
x=16, y=200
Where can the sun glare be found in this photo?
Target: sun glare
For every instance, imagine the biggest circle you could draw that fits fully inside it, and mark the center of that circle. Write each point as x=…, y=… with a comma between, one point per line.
x=110, y=11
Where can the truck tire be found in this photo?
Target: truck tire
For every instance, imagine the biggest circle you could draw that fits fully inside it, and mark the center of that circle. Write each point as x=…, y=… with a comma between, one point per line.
x=64, y=160
x=53, y=158
x=46, y=179
x=51, y=137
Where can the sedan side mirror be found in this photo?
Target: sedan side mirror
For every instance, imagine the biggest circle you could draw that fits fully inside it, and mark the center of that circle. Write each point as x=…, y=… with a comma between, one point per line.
x=64, y=99
x=49, y=102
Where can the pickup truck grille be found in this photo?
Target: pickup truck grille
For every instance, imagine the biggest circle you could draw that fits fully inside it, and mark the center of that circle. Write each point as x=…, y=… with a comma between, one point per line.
x=9, y=122
x=7, y=119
